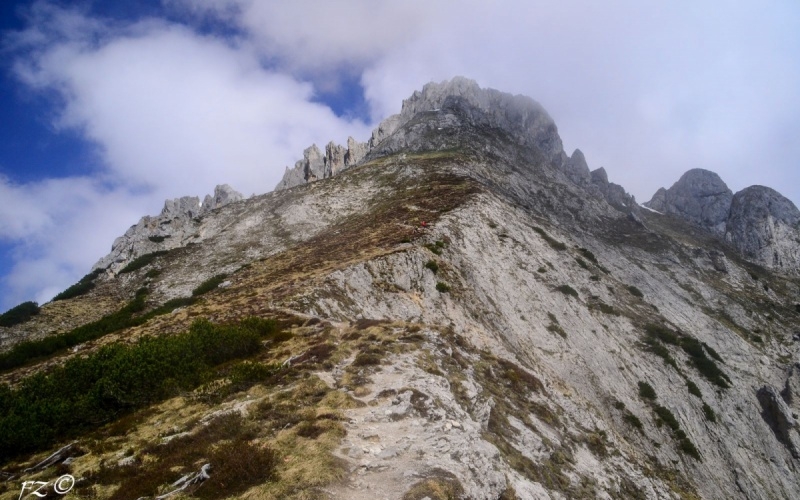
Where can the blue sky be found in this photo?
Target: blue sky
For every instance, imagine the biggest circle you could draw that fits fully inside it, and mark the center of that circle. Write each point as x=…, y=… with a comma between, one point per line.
x=109, y=108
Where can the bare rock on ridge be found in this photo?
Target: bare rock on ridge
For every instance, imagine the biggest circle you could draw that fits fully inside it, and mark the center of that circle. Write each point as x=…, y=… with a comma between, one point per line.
x=522, y=117
x=177, y=222
x=317, y=165
x=223, y=195
x=699, y=196
x=577, y=169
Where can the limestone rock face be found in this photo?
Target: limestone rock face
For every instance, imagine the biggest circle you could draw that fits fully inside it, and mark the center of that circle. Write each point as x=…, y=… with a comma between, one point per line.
x=779, y=417
x=765, y=227
x=614, y=194
x=525, y=120
x=177, y=223
x=700, y=196
x=577, y=169
x=522, y=118
x=315, y=165
x=223, y=195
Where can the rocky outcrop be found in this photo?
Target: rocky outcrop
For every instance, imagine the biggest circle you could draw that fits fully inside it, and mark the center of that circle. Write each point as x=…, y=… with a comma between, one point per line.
x=577, y=170
x=759, y=222
x=525, y=120
x=765, y=227
x=700, y=196
x=223, y=195
x=316, y=165
x=778, y=415
x=614, y=194
x=173, y=227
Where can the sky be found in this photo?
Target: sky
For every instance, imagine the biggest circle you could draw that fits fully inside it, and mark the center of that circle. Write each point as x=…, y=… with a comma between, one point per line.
x=109, y=108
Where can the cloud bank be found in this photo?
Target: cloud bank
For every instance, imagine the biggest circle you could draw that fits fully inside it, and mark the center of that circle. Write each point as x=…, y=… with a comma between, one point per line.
x=228, y=91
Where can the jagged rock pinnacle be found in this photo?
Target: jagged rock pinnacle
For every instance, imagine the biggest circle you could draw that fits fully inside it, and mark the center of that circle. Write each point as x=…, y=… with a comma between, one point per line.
x=170, y=229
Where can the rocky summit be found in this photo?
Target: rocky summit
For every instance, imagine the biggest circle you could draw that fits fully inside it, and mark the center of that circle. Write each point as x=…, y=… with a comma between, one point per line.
x=455, y=308
x=760, y=223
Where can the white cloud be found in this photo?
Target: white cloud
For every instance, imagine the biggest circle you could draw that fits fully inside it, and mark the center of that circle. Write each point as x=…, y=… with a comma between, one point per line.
x=172, y=113
x=60, y=227
x=320, y=35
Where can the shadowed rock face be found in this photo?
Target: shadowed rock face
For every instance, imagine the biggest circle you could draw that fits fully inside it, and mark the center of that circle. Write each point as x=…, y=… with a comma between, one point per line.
x=765, y=227
x=700, y=196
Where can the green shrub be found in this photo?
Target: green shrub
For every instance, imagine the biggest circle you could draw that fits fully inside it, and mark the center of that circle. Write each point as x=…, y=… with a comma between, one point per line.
x=667, y=417
x=660, y=351
x=157, y=239
x=635, y=291
x=688, y=448
x=442, y=287
x=554, y=243
x=633, y=421
x=81, y=287
x=208, y=285
x=436, y=247
x=703, y=364
x=588, y=254
x=662, y=333
x=709, y=413
x=152, y=273
x=542, y=270
x=433, y=266
x=24, y=352
x=594, y=277
x=87, y=392
x=567, y=290
x=19, y=314
x=582, y=263
x=646, y=391
x=142, y=261
x=693, y=389
x=714, y=354
x=604, y=308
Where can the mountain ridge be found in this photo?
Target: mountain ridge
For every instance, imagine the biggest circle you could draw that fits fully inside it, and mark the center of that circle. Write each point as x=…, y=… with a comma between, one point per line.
x=467, y=314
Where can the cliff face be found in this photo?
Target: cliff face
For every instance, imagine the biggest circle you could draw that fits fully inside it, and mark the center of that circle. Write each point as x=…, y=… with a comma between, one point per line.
x=468, y=313
x=765, y=227
x=758, y=221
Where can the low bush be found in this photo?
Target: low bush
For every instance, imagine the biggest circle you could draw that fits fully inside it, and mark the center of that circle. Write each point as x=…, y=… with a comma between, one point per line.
x=662, y=333
x=588, y=254
x=209, y=284
x=157, y=239
x=667, y=417
x=703, y=363
x=709, y=413
x=646, y=391
x=442, y=287
x=604, y=308
x=635, y=291
x=582, y=263
x=433, y=266
x=87, y=392
x=142, y=261
x=567, y=290
x=554, y=243
x=633, y=421
x=126, y=317
x=436, y=247
x=693, y=389
x=19, y=314
x=82, y=287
